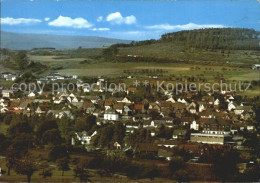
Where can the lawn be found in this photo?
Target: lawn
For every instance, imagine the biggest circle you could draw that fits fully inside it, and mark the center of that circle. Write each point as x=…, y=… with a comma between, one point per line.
x=3, y=128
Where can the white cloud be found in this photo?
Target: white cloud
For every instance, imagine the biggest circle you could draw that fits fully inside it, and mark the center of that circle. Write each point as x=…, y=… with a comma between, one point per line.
x=31, y=0
x=117, y=18
x=77, y=23
x=100, y=29
x=188, y=26
x=130, y=19
x=99, y=19
x=16, y=21
x=46, y=19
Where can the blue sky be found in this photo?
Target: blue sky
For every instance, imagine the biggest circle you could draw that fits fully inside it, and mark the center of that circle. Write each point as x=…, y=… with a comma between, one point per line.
x=133, y=20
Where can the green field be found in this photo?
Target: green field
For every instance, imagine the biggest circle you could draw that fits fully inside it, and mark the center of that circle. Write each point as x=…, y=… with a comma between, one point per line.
x=172, y=51
x=94, y=68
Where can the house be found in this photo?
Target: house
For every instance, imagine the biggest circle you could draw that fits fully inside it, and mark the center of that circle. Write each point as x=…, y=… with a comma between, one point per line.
x=55, y=76
x=182, y=101
x=108, y=104
x=5, y=74
x=165, y=154
x=155, y=107
x=110, y=115
x=117, y=146
x=3, y=109
x=179, y=134
x=71, y=99
x=97, y=113
x=216, y=102
x=93, y=99
x=11, y=77
x=194, y=125
x=42, y=80
x=241, y=109
x=192, y=110
x=190, y=95
x=130, y=90
x=209, y=113
x=86, y=89
x=7, y=93
x=119, y=107
x=231, y=106
x=179, y=106
x=165, y=105
x=41, y=110
x=89, y=107
x=208, y=99
x=215, y=126
x=83, y=137
x=125, y=100
x=202, y=107
x=139, y=108
x=146, y=150
x=131, y=126
x=60, y=114
x=67, y=114
x=187, y=120
x=247, y=115
x=127, y=110
x=32, y=94
x=171, y=100
x=166, y=143
x=256, y=67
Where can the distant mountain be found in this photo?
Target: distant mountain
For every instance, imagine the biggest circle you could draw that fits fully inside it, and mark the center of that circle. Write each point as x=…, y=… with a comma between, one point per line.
x=17, y=41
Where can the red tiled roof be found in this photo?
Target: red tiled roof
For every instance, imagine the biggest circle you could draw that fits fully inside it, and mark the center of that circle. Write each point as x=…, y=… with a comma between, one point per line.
x=138, y=106
x=16, y=111
x=131, y=89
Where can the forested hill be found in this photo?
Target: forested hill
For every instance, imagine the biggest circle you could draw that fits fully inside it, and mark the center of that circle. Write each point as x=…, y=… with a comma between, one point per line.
x=224, y=38
x=215, y=38
x=234, y=45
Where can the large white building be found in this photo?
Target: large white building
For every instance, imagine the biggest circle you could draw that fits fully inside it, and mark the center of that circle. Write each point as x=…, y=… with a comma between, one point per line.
x=209, y=138
x=111, y=115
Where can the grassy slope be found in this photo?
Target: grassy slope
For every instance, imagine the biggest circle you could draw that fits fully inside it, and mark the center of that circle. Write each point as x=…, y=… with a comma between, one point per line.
x=172, y=51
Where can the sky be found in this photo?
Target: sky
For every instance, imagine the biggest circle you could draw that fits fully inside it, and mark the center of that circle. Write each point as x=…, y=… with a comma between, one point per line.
x=131, y=20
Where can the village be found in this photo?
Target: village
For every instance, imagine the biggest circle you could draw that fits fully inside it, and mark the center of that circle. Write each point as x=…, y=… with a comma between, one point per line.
x=189, y=119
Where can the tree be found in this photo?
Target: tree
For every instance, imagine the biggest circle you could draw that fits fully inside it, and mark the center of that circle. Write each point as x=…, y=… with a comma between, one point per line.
x=113, y=163
x=4, y=143
x=181, y=176
x=21, y=59
x=176, y=164
x=46, y=125
x=151, y=172
x=26, y=166
x=165, y=132
x=58, y=152
x=12, y=155
x=23, y=142
x=64, y=125
x=85, y=123
x=82, y=174
x=133, y=171
x=225, y=165
x=63, y=165
x=52, y=137
x=18, y=128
